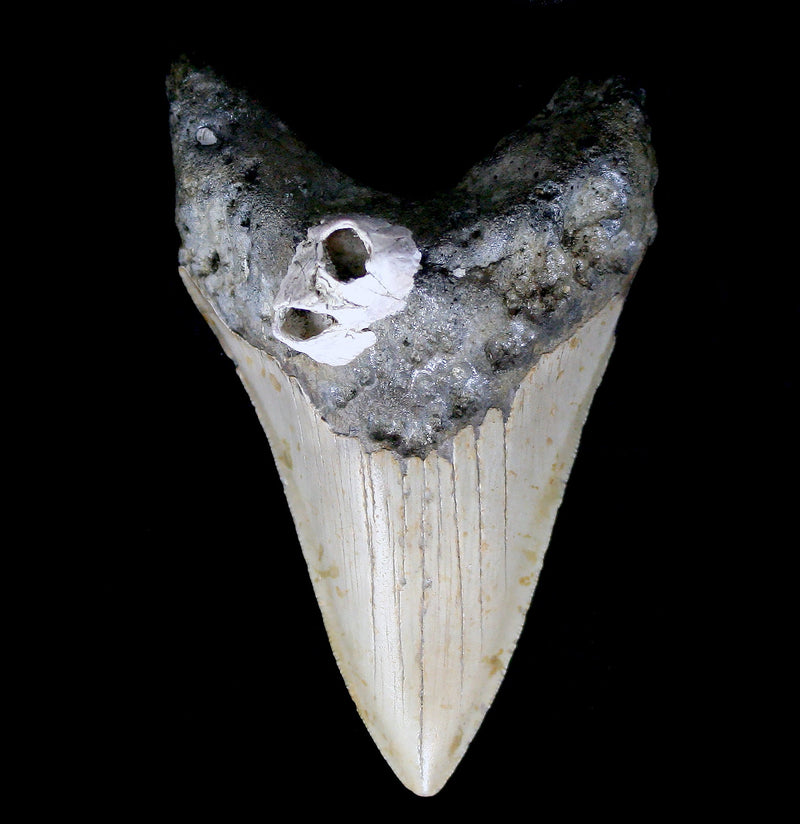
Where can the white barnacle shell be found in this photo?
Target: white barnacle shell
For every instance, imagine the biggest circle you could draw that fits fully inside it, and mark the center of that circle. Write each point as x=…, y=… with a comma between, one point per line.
x=351, y=271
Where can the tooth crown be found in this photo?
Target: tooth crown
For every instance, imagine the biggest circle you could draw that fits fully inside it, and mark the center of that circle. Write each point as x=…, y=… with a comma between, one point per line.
x=424, y=569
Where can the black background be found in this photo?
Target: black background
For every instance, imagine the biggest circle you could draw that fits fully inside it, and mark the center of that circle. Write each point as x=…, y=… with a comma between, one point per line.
x=202, y=678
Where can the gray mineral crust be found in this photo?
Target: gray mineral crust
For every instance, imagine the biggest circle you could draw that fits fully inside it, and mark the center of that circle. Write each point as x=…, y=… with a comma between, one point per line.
x=531, y=243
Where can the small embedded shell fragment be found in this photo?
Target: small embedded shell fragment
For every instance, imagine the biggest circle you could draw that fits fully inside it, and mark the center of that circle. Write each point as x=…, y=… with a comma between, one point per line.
x=348, y=273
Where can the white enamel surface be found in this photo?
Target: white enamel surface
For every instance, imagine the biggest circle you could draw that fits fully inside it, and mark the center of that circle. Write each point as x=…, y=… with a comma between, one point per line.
x=424, y=569
x=311, y=285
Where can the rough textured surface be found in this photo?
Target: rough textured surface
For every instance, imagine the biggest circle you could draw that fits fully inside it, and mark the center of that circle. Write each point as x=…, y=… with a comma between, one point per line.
x=533, y=242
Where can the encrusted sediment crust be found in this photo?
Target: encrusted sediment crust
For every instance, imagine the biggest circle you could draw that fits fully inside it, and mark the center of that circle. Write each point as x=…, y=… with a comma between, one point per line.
x=532, y=243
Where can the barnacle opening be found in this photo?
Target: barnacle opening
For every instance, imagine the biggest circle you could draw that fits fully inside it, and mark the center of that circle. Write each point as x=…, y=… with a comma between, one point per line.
x=347, y=254
x=303, y=324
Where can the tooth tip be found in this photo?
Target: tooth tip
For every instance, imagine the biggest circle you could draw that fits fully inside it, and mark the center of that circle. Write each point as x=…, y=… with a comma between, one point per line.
x=428, y=786
x=424, y=746
x=424, y=769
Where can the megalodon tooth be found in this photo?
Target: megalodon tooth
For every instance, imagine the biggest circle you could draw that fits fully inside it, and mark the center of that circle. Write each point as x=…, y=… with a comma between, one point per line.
x=422, y=370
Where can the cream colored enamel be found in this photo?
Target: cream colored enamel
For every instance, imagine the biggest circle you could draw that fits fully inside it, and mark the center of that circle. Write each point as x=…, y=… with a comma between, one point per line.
x=424, y=570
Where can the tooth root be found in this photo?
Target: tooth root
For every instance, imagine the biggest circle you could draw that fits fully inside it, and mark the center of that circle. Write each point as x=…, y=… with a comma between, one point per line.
x=424, y=569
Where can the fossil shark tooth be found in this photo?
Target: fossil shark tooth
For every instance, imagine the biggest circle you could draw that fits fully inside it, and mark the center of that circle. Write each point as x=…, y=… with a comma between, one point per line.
x=422, y=371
